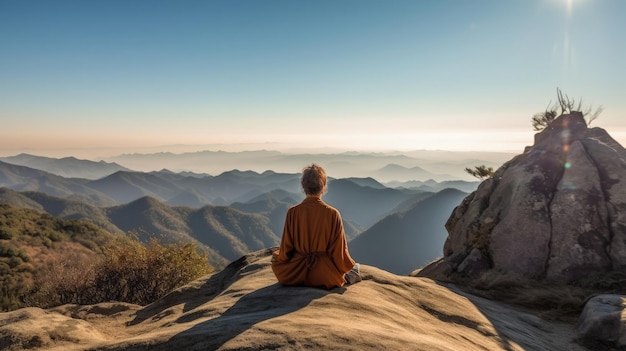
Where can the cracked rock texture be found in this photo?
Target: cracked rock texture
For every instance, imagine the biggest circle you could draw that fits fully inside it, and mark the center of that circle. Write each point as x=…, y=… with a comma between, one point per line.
x=557, y=211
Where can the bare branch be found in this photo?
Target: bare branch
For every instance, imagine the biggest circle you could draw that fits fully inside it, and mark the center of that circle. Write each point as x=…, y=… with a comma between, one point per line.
x=542, y=120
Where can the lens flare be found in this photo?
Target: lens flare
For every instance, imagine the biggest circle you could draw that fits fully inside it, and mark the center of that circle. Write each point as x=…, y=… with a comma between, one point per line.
x=569, y=5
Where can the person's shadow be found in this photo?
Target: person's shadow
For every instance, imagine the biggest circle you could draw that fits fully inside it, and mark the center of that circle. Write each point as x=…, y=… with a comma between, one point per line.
x=252, y=308
x=259, y=305
x=195, y=297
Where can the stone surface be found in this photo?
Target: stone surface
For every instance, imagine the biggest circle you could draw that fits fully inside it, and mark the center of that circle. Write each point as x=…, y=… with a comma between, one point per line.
x=557, y=211
x=244, y=308
x=580, y=233
x=604, y=319
x=474, y=263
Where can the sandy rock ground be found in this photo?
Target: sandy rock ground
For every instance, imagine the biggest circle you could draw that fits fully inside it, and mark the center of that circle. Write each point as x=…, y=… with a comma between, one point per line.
x=244, y=308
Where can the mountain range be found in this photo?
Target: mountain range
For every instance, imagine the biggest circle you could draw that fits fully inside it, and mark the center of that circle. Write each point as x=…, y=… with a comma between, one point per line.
x=408, y=239
x=69, y=175
x=384, y=166
x=225, y=232
x=237, y=211
x=420, y=165
x=68, y=167
x=125, y=186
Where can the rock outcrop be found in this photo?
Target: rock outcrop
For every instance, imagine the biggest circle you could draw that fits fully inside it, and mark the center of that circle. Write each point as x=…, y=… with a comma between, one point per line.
x=244, y=308
x=604, y=319
x=555, y=212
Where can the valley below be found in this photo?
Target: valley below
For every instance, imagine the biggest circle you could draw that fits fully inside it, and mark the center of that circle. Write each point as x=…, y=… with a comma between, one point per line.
x=240, y=211
x=55, y=211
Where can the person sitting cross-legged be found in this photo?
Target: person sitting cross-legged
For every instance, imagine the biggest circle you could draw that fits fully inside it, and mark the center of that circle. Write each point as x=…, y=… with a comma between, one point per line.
x=313, y=250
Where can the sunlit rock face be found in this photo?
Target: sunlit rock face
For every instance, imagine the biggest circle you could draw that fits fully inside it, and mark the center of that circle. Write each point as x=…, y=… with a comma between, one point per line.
x=557, y=211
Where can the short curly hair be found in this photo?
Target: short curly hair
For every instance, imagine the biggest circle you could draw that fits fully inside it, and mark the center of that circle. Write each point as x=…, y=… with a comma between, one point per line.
x=313, y=180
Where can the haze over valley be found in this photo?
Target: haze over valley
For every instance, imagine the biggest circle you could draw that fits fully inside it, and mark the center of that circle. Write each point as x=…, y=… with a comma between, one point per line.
x=52, y=225
x=418, y=165
x=239, y=211
x=151, y=149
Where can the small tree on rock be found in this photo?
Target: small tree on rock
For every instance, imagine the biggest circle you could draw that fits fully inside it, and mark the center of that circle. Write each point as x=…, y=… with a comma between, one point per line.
x=543, y=119
x=481, y=172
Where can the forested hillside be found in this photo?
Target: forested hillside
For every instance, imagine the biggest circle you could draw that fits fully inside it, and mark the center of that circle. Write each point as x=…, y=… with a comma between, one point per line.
x=31, y=240
x=237, y=212
x=47, y=261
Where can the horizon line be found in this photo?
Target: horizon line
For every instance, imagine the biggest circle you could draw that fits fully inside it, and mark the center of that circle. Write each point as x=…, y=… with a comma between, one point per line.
x=113, y=152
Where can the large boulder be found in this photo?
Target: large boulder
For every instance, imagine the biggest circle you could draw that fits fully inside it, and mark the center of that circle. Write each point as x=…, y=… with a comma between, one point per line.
x=603, y=319
x=557, y=211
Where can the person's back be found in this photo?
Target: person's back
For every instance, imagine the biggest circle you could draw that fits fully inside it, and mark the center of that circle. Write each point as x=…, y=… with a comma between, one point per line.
x=313, y=249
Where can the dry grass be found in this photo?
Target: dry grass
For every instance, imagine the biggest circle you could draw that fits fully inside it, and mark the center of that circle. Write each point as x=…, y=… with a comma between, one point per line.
x=127, y=271
x=549, y=299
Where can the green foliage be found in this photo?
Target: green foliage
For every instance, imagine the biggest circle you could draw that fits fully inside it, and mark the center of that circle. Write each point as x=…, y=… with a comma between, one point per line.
x=543, y=119
x=8, y=250
x=26, y=230
x=7, y=233
x=127, y=271
x=34, y=228
x=106, y=268
x=566, y=105
x=15, y=273
x=481, y=172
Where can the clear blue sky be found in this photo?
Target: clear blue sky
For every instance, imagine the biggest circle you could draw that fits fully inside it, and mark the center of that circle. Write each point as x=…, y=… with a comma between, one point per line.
x=358, y=75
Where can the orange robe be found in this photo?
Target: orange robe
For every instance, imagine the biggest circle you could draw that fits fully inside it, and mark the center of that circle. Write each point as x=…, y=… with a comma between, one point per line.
x=313, y=249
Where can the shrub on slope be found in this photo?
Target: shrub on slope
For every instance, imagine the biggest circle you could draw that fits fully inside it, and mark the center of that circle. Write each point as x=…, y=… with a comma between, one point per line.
x=47, y=261
x=127, y=271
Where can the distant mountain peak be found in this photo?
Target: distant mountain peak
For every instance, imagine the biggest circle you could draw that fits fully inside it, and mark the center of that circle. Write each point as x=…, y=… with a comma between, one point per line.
x=147, y=200
x=68, y=167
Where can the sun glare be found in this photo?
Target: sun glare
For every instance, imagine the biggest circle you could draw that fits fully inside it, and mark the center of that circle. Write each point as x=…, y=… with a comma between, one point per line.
x=569, y=4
